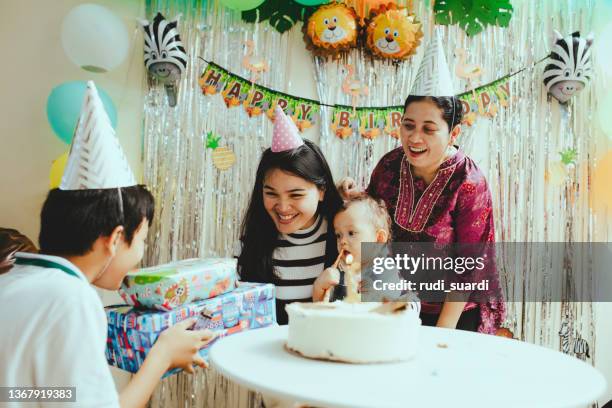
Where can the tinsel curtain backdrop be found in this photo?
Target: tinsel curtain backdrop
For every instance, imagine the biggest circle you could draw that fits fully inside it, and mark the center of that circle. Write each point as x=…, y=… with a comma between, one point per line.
x=199, y=208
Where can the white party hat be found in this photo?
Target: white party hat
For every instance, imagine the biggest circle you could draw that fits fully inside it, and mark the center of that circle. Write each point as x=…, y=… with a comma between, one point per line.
x=433, y=77
x=96, y=159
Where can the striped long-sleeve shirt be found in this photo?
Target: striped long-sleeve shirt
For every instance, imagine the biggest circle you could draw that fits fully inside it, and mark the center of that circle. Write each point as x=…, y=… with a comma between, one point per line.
x=298, y=261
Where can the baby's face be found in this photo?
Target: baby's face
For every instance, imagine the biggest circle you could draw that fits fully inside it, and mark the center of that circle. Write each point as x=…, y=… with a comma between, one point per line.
x=354, y=226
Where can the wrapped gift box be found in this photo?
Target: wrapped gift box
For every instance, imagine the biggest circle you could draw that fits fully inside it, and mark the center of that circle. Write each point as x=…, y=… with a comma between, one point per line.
x=132, y=332
x=167, y=287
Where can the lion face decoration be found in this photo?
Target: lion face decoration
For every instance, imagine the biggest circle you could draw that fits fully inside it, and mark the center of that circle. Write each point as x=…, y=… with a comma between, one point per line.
x=332, y=28
x=393, y=34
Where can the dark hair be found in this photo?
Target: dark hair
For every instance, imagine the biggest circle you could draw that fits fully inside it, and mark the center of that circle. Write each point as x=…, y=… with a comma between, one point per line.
x=12, y=241
x=258, y=234
x=379, y=216
x=452, y=110
x=72, y=220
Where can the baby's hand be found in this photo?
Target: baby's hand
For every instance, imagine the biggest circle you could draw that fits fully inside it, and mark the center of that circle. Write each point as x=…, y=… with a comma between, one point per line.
x=363, y=287
x=328, y=278
x=348, y=188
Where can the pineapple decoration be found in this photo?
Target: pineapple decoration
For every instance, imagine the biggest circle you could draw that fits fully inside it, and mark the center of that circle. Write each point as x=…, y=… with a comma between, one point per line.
x=558, y=171
x=569, y=156
x=223, y=157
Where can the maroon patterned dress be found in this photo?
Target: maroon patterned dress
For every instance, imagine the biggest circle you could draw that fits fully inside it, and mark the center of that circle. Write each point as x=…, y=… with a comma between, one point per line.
x=456, y=207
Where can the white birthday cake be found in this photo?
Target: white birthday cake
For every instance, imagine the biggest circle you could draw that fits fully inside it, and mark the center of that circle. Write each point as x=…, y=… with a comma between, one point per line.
x=353, y=332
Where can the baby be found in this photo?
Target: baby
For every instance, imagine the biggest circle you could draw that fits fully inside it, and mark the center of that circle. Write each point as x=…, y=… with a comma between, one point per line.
x=361, y=219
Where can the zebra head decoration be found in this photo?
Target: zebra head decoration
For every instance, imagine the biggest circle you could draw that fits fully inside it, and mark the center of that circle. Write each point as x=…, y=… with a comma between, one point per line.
x=164, y=53
x=570, y=67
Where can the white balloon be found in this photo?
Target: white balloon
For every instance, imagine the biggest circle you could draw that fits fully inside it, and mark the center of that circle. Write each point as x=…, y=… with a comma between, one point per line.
x=94, y=38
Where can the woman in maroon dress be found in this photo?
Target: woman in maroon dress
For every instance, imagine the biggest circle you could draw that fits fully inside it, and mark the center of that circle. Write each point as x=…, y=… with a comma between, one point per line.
x=435, y=193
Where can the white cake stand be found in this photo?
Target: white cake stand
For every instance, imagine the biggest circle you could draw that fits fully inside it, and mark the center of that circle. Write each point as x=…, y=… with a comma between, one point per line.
x=453, y=368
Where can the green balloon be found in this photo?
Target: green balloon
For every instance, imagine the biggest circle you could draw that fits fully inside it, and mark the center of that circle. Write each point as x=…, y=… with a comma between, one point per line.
x=312, y=2
x=241, y=5
x=64, y=107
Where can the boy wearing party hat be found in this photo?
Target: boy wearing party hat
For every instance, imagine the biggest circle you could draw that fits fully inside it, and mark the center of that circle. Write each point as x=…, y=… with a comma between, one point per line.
x=92, y=232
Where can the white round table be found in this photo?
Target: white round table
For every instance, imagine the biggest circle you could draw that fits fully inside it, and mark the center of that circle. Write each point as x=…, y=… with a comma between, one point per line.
x=453, y=368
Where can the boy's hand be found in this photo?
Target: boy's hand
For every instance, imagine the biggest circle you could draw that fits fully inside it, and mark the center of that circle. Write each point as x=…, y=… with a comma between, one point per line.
x=328, y=278
x=348, y=188
x=176, y=347
x=179, y=346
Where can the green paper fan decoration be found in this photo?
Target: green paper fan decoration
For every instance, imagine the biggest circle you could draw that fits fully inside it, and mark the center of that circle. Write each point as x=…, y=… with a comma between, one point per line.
x=473, y=16
x=281, y=14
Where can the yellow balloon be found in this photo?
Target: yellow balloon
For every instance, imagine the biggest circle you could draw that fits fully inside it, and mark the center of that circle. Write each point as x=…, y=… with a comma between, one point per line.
x=57, y=170
x=393, y=33
x=602, y=180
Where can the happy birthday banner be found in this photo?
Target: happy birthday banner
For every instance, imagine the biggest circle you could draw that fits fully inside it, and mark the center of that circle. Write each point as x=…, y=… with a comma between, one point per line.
x=369, y=122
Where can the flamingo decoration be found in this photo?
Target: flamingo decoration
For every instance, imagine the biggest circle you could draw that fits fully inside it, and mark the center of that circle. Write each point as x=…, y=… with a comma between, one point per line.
x=470, y=72
x=256, y=65
x=465, y=70
x=353, y=87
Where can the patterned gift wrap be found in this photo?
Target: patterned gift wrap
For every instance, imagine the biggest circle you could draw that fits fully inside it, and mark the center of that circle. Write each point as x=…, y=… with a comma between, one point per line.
x=170, y=286
x=132, y=332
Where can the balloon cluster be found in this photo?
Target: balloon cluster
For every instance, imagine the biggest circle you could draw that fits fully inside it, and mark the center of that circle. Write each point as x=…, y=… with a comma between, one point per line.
x=95, y=40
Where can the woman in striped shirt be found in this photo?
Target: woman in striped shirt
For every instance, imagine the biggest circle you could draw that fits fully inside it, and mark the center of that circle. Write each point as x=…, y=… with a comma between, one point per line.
x=287, y=234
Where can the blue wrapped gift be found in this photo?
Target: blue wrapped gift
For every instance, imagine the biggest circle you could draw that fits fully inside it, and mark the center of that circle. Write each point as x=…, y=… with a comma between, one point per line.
x=132, y=332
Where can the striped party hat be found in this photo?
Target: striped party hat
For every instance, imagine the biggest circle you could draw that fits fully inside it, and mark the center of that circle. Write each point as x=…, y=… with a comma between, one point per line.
x=96, y=159
x=433, y=77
